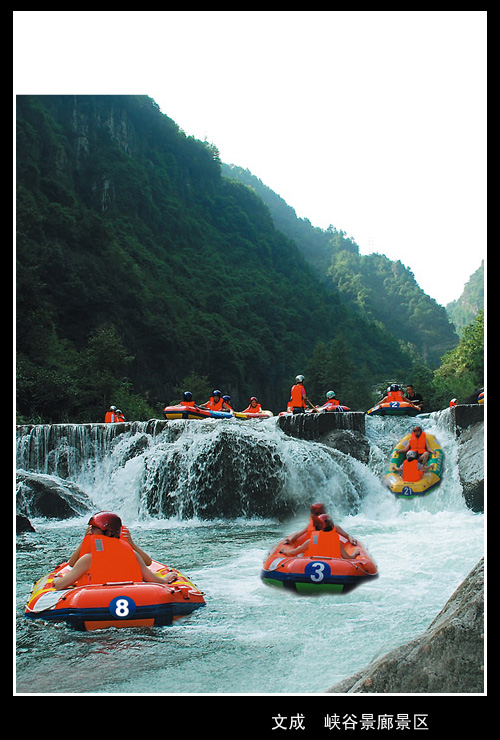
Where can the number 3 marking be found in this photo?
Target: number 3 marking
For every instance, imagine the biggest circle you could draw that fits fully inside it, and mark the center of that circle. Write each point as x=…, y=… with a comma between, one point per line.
x=317, y=571
x=319, y=575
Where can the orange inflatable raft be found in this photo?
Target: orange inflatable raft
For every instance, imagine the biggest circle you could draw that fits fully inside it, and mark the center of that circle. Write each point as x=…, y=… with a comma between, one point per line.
x=122, y=601
x=321, y=568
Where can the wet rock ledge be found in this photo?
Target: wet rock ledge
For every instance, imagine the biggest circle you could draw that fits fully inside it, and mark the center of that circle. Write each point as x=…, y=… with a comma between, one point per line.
x=448, y=658
x=344, y=431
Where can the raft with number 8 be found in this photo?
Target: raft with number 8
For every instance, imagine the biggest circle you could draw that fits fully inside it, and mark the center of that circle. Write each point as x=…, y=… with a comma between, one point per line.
x=321, y=568
x=126, y=603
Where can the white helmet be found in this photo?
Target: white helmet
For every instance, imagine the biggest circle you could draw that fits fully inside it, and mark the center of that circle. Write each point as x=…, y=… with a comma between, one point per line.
x=299, y=379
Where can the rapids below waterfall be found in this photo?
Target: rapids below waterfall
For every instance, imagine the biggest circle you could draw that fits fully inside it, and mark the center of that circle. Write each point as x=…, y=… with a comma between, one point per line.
x=210, y=498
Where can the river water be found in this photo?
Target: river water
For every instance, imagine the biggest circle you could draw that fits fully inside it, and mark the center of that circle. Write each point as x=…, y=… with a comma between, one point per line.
x=252, y=638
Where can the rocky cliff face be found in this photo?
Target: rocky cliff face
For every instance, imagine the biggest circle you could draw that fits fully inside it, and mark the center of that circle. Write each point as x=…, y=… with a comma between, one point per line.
x=448, y=658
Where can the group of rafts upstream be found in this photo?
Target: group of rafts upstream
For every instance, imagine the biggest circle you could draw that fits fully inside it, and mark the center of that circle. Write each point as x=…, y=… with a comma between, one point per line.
x=324, y=560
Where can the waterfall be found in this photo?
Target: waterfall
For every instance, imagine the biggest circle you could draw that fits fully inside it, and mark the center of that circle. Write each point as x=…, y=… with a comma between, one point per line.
x=205, y=469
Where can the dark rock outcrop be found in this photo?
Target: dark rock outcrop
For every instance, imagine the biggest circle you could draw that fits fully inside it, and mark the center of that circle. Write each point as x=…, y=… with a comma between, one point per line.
x=447, y=658
x=40, y=495
x=467, y=422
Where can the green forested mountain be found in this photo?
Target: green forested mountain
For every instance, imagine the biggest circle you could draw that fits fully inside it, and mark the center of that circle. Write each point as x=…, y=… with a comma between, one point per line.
x=380, y=290
x=464, y=310
x=143, y=272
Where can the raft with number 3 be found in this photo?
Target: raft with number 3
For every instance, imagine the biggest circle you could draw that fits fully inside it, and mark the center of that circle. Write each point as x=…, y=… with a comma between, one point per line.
x=321, y=568
x=120, y=603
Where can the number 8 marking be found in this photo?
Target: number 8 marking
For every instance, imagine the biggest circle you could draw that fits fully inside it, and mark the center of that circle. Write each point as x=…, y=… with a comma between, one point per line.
x=122, y=606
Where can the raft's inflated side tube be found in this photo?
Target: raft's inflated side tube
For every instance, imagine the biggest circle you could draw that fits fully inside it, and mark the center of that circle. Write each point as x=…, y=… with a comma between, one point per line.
x=394, y=408
x=193, y=412
x=249, y=415
x=123, y=604
x=410, y=489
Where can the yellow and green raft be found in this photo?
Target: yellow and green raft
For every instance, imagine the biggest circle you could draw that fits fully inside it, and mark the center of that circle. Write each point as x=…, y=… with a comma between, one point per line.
x=410, y=489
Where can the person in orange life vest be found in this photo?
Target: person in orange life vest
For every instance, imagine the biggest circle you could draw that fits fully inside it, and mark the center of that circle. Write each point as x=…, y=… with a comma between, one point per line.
x=299, y=396
x=110, y=417
x=394, y=394
x=100, y=517
x=326, y=524
x=119, y=416
x=412, y=470
x=107, y=524
x=227, y=401
x=187, y=399
x=453, y=402
x=418, y=443
x=331, y=402
x=216, y=403
x=253, y=407
x=315, y=522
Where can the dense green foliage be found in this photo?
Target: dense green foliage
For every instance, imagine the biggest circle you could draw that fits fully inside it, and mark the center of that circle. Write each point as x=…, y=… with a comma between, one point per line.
x=143, y=272
x=463, y=311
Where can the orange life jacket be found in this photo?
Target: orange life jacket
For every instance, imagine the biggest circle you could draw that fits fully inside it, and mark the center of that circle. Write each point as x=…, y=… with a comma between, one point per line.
x=411, y=473
x=113, y=560
x=110, y=417
x=298, y=392
x=418, y=443
x=214, y=405
x=395, y=396
x=253, y=409
x=187, y=403
x=324, y=543
x=330, y=404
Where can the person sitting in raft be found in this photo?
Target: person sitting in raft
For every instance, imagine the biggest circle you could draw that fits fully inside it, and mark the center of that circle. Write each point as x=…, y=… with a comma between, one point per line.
x=453, y=402
x=299, y=396
x=102, y=517
x=326, y=524
x=331, y=402
x=216, y=403
x=253, y=407
x=187, y=399
x=418, y=442
x=315, y=522
x=414, y=398
x=227, y=401
x=412, y=470
x=394, y=395
x=119, y=416
x=107, y=524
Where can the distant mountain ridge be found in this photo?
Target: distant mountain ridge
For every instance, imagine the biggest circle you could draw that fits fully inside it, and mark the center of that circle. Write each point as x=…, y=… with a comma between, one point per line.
x=465, y=309
x=380, y=290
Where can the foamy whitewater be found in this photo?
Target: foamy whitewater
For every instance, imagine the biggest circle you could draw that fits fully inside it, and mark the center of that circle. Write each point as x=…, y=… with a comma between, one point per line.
x=250, y=637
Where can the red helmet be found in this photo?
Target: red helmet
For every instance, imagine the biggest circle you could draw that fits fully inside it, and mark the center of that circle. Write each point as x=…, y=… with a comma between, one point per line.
x=317, y=509
x=326, y=522
x=106, y=521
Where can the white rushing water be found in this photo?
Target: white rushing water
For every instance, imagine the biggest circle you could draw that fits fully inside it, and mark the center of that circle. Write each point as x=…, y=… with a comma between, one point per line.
x=250, y=638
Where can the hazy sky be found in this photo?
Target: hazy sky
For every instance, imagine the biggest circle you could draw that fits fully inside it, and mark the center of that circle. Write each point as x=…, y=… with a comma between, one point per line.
x=372, y=121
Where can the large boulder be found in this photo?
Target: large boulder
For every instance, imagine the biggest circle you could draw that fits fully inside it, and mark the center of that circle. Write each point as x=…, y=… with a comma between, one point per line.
x=447, y=658
x=40, y=495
